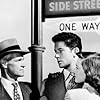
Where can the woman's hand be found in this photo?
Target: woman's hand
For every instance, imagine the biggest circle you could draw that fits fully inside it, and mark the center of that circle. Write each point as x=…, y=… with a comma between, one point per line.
x=80, y=75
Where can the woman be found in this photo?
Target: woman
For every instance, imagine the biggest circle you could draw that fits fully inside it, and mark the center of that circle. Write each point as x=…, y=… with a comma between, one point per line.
x=91, y=67
x=91, y=89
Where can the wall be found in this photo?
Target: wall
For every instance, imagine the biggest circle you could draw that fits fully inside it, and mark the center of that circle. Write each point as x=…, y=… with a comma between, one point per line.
x=90, y=36
x=15, y=22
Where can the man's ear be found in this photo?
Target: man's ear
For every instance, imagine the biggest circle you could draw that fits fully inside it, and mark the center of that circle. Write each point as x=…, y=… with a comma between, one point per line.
x=4, y=65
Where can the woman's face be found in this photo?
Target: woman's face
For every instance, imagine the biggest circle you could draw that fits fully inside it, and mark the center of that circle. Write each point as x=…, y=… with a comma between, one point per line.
x=79, y=72
x=91, y=68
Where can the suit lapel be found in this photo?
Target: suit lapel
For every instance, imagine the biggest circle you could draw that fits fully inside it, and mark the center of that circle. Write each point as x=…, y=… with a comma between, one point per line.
x=55, y=87
x=3, y=93
x=25, y=91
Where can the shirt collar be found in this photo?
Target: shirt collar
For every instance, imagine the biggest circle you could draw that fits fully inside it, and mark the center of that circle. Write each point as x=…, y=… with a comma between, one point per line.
x=9, y=87
x=6, y=82
x=66, y=73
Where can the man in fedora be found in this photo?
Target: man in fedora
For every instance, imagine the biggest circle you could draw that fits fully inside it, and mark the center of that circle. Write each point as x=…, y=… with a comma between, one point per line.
x=11, y=65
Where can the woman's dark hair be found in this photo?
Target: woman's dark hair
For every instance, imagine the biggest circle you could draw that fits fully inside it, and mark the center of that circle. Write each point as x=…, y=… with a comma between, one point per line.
x=91, y=66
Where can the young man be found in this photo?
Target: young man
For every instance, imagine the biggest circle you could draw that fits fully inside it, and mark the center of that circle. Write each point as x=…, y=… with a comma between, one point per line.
x=68, y=52
x=11, y=65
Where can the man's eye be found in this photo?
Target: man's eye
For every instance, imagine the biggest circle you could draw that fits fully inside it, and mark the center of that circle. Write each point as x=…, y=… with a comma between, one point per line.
x=20, y=59
x=17, y=60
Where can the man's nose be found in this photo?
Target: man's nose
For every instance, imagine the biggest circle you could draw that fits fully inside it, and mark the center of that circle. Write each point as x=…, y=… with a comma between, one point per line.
x=23, y=64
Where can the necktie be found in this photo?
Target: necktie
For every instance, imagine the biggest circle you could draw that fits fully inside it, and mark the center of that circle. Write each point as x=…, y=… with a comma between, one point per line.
x=69, y=80
x=16, y=94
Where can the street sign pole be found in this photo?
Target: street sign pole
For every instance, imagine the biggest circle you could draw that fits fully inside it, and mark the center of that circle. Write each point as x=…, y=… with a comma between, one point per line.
x=36, y=46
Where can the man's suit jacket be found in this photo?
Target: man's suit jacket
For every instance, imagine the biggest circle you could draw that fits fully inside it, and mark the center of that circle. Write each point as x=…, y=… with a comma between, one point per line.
x=55, y=87
x=26, y=91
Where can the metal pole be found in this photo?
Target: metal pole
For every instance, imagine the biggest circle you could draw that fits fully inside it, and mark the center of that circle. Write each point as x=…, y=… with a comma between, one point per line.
x=36, y=46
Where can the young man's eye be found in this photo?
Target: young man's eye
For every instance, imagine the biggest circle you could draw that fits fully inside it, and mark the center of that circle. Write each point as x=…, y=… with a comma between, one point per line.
x=60, y=51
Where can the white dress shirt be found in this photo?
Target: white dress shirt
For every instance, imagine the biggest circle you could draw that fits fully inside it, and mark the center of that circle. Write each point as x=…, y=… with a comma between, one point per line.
x=66, y=73
x=10, y=88
x=67, y=77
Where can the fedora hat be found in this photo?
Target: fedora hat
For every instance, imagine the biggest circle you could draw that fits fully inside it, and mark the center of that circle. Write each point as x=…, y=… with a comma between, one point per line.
x=10, y=46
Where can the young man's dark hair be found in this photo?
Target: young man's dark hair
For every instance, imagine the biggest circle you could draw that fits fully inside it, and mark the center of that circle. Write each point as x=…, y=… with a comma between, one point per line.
x=70, y=39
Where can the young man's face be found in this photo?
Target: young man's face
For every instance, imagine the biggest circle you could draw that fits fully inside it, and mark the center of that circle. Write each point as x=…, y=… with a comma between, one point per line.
x=15, y=67
x=63, y=54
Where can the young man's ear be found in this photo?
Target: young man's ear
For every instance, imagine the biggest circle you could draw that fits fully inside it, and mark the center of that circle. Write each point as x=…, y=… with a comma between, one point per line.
x=76, y=50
